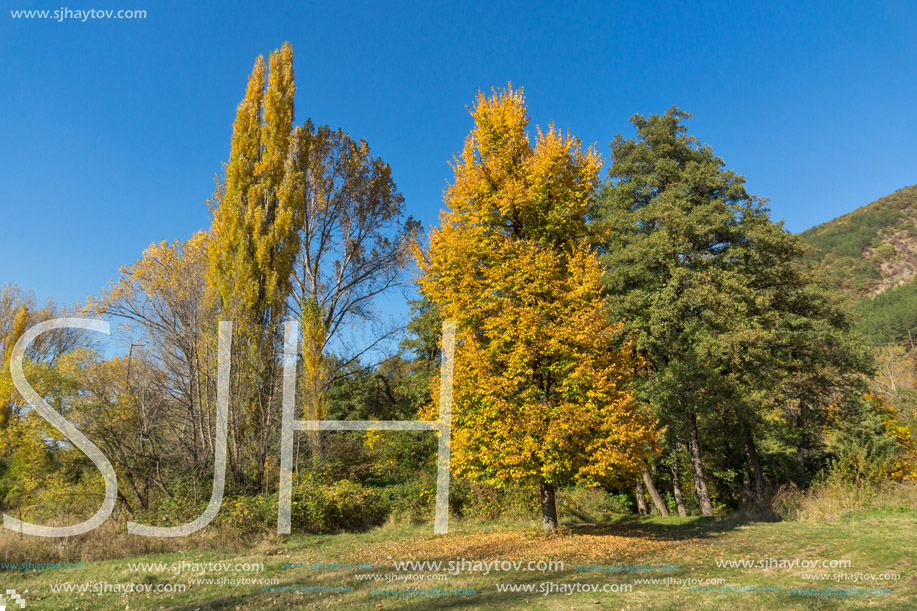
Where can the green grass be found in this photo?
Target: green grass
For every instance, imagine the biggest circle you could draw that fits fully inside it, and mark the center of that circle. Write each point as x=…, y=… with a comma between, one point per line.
x=874, y=542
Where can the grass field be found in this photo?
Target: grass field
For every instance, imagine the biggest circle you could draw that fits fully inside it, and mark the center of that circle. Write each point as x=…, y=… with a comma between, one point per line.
x=358, y=571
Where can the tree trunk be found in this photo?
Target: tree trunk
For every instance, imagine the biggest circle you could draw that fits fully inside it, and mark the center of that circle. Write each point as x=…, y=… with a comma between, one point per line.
x=641, y=501
x=697, y=469
x=654, y=494
x=800, y=466
x=801, y=449
x=747, y=494
x=548, y=508
x=751, y=452
x=676, y=488
x=235, y=451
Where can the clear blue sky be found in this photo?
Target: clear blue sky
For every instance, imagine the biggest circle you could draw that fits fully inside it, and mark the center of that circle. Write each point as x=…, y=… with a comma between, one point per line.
x=111, y=130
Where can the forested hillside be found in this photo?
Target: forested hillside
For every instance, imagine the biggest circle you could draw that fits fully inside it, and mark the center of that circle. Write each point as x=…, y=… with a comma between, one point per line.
x=871, y=254
x=871, y=249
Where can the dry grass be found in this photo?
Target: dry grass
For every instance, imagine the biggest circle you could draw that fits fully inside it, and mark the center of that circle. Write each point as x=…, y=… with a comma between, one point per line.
x=830, y=500
x=874, y=541
x=108, y=541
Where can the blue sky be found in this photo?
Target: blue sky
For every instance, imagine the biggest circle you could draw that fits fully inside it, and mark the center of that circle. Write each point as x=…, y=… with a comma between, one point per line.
x=111, y=130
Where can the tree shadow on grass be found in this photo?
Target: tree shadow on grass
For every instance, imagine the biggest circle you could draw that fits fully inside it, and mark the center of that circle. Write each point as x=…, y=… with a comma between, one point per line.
x=669, y=529
x=486, y=595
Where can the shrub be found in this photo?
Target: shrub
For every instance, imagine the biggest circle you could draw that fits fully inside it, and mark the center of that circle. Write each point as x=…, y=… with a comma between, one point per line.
x=886, y=252
x=414, y=500
x=250, y=514
x=594, y=504
x=480, y=500
x=854, y=480
x=342, y=505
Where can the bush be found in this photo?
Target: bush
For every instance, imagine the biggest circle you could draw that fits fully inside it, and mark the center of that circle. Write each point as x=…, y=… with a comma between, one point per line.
x=480, y=500
x=886, y=252
x=250, y=514
x=315, y=507
x=593, y=504
x=342, y=505
x=854, y=480
x=414, y=500
x=855, y=466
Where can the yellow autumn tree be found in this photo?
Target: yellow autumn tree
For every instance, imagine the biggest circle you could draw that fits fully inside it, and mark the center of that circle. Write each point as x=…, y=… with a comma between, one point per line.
x=307, y=224
x=251, y=250
x=167, y=314
x=314, y=375
x=254, y=239
x=540, y=380
x=38, y=465
x=8, y=393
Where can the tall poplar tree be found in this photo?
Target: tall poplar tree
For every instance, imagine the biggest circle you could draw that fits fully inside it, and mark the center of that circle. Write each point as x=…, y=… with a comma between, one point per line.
x=252, y=249
x=539, y=387
x=307, y=224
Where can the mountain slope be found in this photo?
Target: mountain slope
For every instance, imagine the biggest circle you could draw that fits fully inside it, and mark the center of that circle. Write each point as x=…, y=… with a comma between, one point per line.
x=871, y=253
x=873, y=248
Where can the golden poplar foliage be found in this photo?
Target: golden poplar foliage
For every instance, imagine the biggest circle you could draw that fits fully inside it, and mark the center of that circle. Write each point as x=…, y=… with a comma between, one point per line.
x=540, y=374
x=254, y=237
x=314, y=335
x=252, y=249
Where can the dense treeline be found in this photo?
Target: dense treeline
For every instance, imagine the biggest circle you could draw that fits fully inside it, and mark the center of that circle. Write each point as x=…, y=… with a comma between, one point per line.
x=650, y=334
x=891, y=316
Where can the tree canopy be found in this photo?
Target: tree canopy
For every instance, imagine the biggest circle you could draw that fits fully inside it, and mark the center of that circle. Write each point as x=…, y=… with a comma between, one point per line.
x=540, y=385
